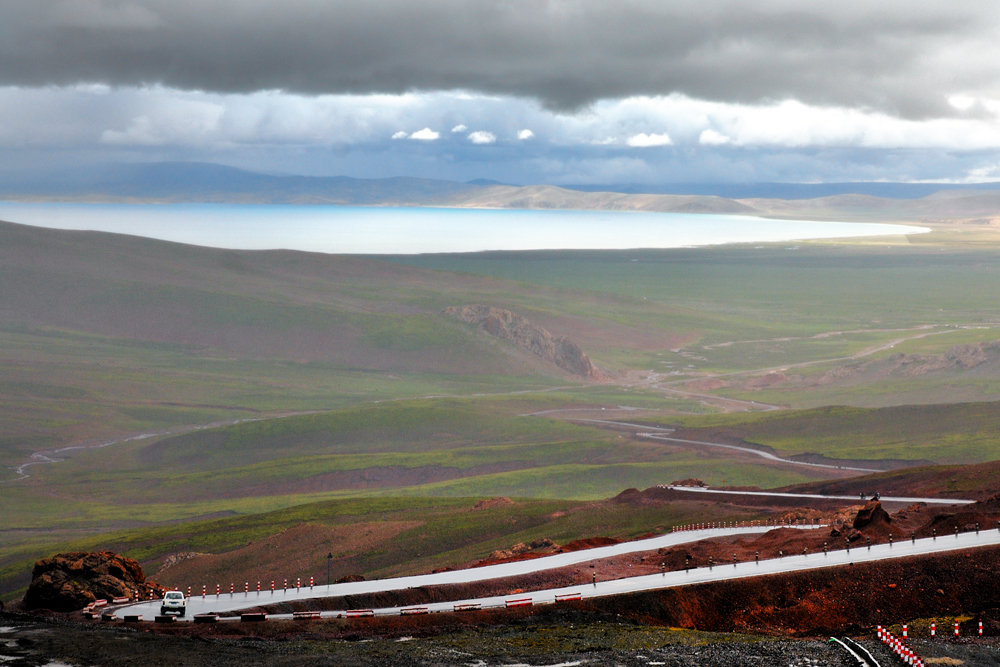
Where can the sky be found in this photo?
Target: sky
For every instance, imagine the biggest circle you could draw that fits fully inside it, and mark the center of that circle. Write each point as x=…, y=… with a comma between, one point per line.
x=518, y=91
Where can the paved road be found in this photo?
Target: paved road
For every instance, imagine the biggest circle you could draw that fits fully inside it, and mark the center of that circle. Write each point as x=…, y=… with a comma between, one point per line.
x=772, y=494
x=798, y=563
x=198, y=605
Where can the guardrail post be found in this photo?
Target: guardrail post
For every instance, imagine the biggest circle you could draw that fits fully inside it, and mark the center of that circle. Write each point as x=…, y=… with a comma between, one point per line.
x=933, y=629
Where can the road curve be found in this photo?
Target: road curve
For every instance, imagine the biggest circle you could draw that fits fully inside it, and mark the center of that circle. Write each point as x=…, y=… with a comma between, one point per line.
x=799, y=563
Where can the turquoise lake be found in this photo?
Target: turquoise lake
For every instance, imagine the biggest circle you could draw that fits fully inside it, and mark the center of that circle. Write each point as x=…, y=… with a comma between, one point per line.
x=411, y=230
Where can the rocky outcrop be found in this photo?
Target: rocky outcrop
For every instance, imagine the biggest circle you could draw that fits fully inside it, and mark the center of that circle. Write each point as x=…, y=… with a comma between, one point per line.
x=71, y=581
x=871, y=514
x=509, y=326
x=958, y=357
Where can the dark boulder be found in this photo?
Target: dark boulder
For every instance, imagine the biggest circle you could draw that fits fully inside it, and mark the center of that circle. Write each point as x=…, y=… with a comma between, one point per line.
x=71, y=581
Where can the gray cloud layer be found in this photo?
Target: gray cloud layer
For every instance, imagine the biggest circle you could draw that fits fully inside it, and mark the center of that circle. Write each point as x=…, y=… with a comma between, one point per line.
x=903, y=57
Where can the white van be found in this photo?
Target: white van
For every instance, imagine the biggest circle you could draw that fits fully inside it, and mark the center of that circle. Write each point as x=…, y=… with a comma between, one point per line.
x=173, y=601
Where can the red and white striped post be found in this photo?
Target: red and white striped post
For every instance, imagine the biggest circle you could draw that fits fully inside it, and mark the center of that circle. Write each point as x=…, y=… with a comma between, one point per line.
x=286, y=586
x=298, y=583
x=272, y=587
x=204, y=589
x=189, y=591
x=933, y=629
x=218, y=589
x=904, y=631
x=311, y=583
x=137, y=595
x=246, y=589
x=258, y=588
x=232, y=588
x=956, y=628
x=980, y=628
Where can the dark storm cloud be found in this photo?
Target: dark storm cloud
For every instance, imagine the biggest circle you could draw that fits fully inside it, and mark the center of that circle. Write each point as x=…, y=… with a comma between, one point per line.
x=900, y=57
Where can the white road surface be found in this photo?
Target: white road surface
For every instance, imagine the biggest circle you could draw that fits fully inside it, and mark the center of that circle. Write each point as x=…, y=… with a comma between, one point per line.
x=771, y=494
x=900, y=549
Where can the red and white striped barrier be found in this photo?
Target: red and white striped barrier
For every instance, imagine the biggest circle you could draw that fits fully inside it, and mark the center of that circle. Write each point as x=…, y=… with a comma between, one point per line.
x=413, y=611
x=354, y=613
x=568, y=597
x=120, y=601
x=299, y=615
x=474, y=606
x=98, y=603
x=518, y=602
x=899, y=647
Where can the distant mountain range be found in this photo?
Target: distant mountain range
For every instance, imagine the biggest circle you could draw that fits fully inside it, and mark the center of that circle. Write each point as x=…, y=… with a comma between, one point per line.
x=167, y=182
x=787, y=190
x=199, y=181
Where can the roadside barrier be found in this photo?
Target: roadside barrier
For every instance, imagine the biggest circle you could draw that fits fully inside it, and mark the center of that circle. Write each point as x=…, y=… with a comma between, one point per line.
x=300, y=615
x=132, y=618
x=568, y=597
x=206, y=618
x=413, y=611
x=253, y=617
x=98, y=603
x=124, y=600
x=165, y=619
x=519, y=602
x=956, y=628
x=933, y=629
x=899, y=647
x=468, y=607
x=354, y=613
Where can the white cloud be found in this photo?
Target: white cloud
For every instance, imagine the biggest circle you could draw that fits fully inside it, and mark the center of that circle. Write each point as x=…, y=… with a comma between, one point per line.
x=482, y=137
x=426, y=134
x=607, y=141
x=643, y=140
x=961, y=102
x=525, y=134
x=400, y=135
x=713, y=138
x=459, y=128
